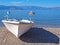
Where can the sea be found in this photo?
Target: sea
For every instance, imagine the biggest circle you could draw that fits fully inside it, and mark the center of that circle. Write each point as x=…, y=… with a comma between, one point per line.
x=42, y=17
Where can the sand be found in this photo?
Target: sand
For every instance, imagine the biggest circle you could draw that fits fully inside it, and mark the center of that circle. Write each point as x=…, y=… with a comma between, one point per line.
x=35, y=36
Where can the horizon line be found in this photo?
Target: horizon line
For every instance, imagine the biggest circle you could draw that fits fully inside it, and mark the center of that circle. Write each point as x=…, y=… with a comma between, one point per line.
x=32, y=5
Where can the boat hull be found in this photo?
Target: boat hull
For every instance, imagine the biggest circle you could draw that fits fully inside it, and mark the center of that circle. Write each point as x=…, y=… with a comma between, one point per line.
x=17, y=28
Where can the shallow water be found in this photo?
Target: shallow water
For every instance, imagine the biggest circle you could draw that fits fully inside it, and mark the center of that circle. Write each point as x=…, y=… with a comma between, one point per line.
x=41, y=17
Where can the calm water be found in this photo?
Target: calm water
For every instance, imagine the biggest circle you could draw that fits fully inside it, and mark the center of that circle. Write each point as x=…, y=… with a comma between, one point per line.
x=41, y=17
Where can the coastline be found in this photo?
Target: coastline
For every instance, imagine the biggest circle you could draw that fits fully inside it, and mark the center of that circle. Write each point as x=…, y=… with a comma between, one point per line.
x=44, y=27
x=54, y=30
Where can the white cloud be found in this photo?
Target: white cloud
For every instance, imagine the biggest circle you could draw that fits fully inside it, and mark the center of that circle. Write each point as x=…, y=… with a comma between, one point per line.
x=15, y=3
x=11, y=3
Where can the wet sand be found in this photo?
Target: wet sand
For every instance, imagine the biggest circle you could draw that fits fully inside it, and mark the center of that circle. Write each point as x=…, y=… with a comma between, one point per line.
x=35, y=36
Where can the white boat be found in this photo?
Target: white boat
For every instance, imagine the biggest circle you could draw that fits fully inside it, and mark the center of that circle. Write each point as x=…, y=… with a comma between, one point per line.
x=18, y=27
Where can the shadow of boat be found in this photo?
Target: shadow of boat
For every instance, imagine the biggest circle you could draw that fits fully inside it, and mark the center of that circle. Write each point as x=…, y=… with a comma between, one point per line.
x=39, y=35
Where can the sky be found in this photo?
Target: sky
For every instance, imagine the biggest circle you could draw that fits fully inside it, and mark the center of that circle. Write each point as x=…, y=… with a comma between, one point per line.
x=42, y=3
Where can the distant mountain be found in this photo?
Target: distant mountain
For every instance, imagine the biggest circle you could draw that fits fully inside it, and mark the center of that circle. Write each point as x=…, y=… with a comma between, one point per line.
x=2, y=7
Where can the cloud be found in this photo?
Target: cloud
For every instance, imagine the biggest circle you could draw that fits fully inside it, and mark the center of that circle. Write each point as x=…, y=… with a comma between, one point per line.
x=11, y=3
x=16, y=3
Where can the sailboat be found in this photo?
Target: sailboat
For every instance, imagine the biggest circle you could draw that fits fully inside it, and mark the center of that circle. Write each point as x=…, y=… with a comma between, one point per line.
x=17, y=28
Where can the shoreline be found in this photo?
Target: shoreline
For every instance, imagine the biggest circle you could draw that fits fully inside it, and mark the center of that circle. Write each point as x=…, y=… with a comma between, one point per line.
x=51, y=29
x=40, y=25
